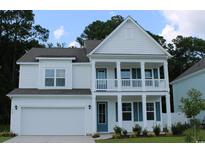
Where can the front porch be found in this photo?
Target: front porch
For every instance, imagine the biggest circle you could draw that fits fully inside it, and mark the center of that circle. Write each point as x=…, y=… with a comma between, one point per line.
x=125, y=111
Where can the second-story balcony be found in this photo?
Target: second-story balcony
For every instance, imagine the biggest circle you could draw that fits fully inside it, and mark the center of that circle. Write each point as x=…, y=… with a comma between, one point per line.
x=130, y=77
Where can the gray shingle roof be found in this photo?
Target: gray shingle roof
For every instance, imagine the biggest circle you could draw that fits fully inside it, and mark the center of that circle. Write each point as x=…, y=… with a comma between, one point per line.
x=25, y=91
x=91, y=44
x=78, y=53
x=196, y=67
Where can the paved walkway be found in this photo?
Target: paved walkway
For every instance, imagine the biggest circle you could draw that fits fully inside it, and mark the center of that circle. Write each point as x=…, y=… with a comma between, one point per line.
x=51, y=139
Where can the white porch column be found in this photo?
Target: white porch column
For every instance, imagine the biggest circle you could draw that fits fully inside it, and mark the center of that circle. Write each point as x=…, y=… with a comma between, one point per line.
x=144, y=110
x=94, y=114
x=166, y=75
x=119, y=106
x=93, y=76
x=142, y=75
x=118, y=76
x=168, y=108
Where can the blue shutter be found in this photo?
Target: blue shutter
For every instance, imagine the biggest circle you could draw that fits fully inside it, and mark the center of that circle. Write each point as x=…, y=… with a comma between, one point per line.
x=116, y=111
x=140, y=112
x=135, y=107
x=138, y=73
x=157, y=106
x=155, y=73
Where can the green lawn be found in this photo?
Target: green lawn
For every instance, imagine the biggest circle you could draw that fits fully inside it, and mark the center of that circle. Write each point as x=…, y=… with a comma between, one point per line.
x=3, y=139
x=162, y=139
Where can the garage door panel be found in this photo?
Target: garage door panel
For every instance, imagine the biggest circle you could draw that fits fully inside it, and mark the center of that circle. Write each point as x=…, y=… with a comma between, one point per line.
x=53, y=121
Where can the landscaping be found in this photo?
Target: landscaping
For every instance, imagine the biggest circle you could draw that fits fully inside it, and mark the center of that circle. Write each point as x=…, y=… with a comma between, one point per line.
x=4, y=133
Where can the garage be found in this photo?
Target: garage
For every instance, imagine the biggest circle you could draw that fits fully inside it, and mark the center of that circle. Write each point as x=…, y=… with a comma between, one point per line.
x=52, y=121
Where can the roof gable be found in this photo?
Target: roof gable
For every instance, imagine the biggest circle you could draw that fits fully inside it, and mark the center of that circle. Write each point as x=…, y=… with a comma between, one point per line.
x=129, y=38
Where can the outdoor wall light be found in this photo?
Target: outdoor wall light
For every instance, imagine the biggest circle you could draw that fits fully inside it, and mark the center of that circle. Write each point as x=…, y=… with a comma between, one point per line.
x=16, y=107
x=89, y=107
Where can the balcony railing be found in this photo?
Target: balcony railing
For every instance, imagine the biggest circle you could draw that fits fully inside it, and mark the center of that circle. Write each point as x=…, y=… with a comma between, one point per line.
x=130, y=84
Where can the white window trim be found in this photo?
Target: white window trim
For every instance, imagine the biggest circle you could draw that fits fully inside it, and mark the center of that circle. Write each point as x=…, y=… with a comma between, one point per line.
x=55, y=87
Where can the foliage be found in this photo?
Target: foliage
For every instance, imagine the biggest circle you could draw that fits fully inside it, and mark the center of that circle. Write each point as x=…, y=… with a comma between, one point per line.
x=165, y=129
x=178, y=128
x=4, y=128
x=98, y=29
x=96, y=135
x=18, y=34
x=116, y=136
x=7, y=134
x=192, y=136
x=124, y=132
x=193, y=104
x=137, y=129
x=145, y=132
x=156, y=130
x=117, y=130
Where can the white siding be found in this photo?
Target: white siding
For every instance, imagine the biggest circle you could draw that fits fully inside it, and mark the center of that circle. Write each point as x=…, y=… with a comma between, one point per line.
x=136, y=42
x=51, y=102
x=81, y=76
x=28, y=77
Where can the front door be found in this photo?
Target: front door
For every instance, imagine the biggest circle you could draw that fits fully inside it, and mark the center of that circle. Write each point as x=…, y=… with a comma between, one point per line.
x=102, y=117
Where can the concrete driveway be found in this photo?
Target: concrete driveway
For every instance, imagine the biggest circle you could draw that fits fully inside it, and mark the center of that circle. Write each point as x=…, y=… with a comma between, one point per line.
x=51, y=139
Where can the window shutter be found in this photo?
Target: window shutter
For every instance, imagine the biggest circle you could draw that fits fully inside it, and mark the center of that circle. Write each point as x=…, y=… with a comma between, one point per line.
x=135, y=107
x=138, y=73
x=140, y=112
x=155, y=73
x=157, y=105
x=134, y=73
x=115, y=73
x=116, y=111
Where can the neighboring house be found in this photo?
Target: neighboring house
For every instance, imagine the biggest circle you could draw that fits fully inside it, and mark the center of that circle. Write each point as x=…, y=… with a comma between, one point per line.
x=79, y=91
x=194, y=77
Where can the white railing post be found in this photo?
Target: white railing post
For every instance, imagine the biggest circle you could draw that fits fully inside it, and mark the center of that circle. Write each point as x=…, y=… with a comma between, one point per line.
x=142, y=75
x=93, y=81
x=118, y=75
x=144, y=110
x=119, y=105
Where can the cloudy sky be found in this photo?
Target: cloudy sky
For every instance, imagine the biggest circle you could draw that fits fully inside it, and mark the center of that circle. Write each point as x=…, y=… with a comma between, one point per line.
x=65, y=26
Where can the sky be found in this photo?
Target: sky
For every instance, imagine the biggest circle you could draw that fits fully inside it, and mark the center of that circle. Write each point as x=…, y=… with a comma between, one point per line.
x=66, y=26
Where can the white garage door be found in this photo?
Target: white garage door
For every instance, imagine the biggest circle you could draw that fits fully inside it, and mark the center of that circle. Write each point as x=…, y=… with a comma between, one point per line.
x=52, y=121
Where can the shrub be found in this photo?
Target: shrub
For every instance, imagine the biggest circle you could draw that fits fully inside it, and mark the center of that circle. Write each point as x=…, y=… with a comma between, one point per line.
x=124, y=132
x=117, y=130
x=137, y=129
x=116, y=136
x=193, y=136
x=96, y=135
x=179, y=128
x=144, y=133
x=7, y=134
x=156, y=130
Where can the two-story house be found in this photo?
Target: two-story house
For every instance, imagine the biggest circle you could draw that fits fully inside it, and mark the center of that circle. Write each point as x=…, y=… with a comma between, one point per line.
x=77, y=91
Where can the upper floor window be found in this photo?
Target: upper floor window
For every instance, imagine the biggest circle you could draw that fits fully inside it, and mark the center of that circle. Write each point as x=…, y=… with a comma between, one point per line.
x=55, y=77
x=148, y=73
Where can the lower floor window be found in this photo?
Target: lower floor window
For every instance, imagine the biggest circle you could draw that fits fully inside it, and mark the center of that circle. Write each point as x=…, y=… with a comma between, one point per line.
x=150, y=111
x=126, y=111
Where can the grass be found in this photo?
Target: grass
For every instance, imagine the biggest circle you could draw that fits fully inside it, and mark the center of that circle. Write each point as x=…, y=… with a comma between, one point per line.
x=160, y=139
x=3, y=139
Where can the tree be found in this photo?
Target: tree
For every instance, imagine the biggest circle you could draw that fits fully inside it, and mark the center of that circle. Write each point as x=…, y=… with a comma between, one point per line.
x=193, y=104
x=98, y=30
x=18, y=34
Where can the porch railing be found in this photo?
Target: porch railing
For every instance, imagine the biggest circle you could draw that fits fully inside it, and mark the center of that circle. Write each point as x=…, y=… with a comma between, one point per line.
x=106, y=84
x=155, y=83
x=131, y=83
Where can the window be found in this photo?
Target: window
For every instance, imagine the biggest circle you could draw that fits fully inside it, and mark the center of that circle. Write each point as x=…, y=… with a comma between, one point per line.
x=101, y=112
x=125, y=73
x=126, y=111
x=150, y=111
x=49, y=77
x=148, y=74
x=55, y=77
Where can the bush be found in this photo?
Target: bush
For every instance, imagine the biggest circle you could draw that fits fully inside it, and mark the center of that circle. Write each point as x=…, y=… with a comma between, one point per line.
x=117, y=130
x=192, y=136
x=165, y=129
x=96, y=135
x=137, y=129
x=116, y=136
x=144, y=133
x=124, y=132
x=7, y=134
x=178, y=129
x=195, y=122
x=156, y=130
